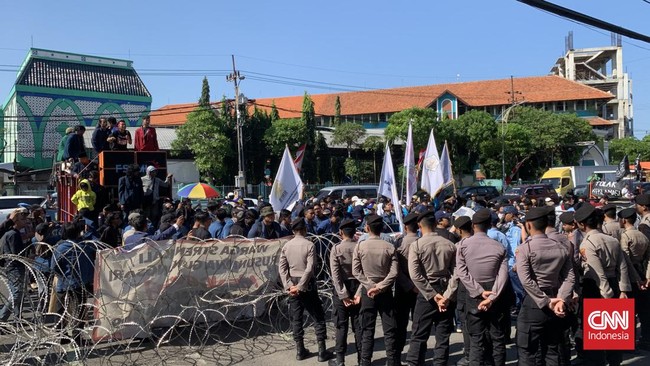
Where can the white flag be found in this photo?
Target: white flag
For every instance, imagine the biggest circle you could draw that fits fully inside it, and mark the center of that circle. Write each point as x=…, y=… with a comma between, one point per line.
x=287, y=187
x=432, y=180
x=409, y=167
x=447, y=174
x=388, y=185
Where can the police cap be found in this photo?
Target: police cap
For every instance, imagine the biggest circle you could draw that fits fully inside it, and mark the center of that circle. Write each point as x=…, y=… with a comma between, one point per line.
x=348, y=223
x=481, y=216
x=536, y=213
x=643, y=199
x=462, y=221
x=298, y=224
x=373, y=219
x=584, y=212
x=410, y=218
x=609, y=207
x=567, y=218
x=426, y=214
x=627, y=213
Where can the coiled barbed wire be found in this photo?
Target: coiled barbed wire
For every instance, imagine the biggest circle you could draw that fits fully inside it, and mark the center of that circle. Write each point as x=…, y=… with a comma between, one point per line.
x=227, y=319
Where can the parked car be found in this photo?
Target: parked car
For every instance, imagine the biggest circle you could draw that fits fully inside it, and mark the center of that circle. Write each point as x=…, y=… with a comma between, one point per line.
x=530, y=191
x=338, y=192
x=485, y=192
x=10, y=203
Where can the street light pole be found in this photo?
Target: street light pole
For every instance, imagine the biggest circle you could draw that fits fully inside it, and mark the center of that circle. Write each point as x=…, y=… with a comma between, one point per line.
x=504, y=121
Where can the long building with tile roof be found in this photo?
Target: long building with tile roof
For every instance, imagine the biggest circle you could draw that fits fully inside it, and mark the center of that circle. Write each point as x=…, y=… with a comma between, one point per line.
x=373, y=108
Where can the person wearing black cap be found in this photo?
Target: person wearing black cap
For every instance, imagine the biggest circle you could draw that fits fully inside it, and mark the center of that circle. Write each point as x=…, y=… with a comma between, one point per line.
x=375, y=266
x=431, y=264
x=569, y=318
x=643, y=209
x=296, y=267
x=463, y=225
x=605, y=274
x=611, y=226
x=347, y=293
x=637, y=248
x=481, y=266
x=570, y=229
x=405, y=290
x=545, y=269
x=443, y=222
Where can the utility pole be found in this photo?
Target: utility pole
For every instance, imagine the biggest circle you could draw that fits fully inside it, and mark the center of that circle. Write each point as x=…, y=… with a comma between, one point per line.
x=235, y=77
x=504, y=120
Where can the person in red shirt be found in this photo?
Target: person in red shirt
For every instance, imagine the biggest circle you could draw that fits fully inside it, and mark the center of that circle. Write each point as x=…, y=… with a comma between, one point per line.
x=145, y=137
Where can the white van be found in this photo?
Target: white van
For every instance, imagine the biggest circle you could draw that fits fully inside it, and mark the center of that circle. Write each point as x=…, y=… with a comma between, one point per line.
x=338, y=192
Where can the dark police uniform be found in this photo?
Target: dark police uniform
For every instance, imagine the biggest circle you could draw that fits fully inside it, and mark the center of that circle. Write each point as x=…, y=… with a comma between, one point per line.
x=605, y=274
x=296, y=268
x=637, y=247
x=431, y=264
x=545, y=270
x=346, y=286
x=482, y=265
x=405, y=290
x=375, y=265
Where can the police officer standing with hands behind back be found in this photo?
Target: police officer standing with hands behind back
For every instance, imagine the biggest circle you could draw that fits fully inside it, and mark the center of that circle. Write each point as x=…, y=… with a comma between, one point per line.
x=481, y=266
x=375, y=266
x=296, y=267
x=431, y=264
x=545, y=270
x=346, y=292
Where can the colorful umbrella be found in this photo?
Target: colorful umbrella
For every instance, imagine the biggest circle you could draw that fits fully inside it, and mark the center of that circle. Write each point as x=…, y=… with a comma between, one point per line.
x=198, y=191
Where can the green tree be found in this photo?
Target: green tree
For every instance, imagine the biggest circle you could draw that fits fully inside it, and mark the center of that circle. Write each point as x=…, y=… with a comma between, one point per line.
x=308, y=118
x=202, y=136
x=348, y=134
x=255, y=150
x=204, y=100
x=275, y=115
x=337, y=111
x=373, y=144
x=291, y=132
x=424, y=119
x=631, y=147
x=323, y=159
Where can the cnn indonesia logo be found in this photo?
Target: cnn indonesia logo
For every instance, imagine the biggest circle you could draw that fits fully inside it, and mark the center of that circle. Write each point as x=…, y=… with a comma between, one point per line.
x=609, y=324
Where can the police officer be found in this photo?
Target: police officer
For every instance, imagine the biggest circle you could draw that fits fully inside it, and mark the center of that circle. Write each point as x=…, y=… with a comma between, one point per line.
x=463, y=227
x=605, y=271
x=296, y=269
x=431, y=264
x=347, y=293
x=570, y=321
x=611, y=226
x=545, y=269
x=481, y=266
x=375, y=265
x=405, y=290
x=443, y=222
x=637, y=248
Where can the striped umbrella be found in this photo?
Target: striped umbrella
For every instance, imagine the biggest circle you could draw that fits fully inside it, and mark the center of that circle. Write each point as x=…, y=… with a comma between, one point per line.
x=198, y=191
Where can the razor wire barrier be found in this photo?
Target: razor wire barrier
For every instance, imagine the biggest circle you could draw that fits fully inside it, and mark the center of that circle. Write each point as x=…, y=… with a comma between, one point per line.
x=165, y=302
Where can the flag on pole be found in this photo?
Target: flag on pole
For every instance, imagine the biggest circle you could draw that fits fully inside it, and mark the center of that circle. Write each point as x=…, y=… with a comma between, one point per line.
x=623, y=168
x=388, y=185
x=420, y=159
x=287, y=187
x=515, y=169
x=447, y=174
x=637, y=167
x=432, y=179
x=409, y=167
x=300, y=154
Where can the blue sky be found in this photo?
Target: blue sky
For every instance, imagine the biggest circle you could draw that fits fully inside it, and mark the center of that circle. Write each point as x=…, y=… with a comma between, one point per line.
x=359, y=44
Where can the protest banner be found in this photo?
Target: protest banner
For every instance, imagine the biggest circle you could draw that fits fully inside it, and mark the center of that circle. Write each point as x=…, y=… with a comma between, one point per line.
x=160, y=284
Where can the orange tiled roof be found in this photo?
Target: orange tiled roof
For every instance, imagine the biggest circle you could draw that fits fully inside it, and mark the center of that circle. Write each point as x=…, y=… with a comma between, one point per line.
x=474, y=94
x=597, y=121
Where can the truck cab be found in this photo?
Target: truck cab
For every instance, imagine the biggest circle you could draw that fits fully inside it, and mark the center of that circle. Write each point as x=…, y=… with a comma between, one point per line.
x=560, y=179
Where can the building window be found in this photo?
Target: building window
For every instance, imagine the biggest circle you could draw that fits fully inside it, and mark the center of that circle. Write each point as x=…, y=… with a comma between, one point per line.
x=581, y=105
x=447, y=109
x=559, y=107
